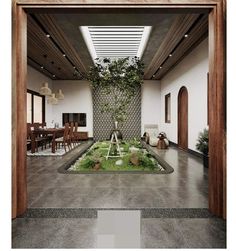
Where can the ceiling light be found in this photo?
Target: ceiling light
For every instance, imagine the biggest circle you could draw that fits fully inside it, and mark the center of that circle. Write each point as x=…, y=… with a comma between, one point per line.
x=45, y=90
x=52, y=99
x=48, y=35
x=54, y=76
x=74, y=67
x=60, y=95
x=160, y=67
x=41, y=67
x=64, y=55
x=186, y=35
x=154, y=76
x=170, y=55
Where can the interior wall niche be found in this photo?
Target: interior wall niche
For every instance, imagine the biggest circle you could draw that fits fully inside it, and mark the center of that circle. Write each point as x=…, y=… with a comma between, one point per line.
x=103, y=123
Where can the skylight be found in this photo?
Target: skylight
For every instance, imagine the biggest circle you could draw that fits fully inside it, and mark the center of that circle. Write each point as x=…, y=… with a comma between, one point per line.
x=116, y=41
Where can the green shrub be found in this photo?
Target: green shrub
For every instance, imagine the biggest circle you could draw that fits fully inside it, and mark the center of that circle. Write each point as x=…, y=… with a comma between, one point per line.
x=202, y=142
x=87, y=163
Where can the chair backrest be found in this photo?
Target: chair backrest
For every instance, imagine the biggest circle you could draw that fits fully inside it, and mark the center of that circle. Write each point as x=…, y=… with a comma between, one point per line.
x=151, y=129
x=71, y=129
x=66, y=131
x=29, y=130
x=36, y=126
x=76, y=127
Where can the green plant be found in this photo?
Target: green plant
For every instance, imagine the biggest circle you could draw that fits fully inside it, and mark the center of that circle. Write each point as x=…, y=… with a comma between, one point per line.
x=87, y=163
x=136, y=143
x=202, y=142
x=119, y=79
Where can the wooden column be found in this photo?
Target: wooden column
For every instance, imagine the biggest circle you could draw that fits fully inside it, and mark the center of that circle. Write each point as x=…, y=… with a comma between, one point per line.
x=217, y=112
x=19, y=68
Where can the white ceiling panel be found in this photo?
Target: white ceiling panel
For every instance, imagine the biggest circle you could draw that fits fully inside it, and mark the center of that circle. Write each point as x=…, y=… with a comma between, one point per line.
x=116, y=41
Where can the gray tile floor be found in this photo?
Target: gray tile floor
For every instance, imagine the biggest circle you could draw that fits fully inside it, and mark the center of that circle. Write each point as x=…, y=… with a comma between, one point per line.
x=82, y=233
x=186, y=187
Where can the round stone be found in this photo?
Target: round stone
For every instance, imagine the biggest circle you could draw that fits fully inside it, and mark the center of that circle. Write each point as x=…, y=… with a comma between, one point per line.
x=119, y=162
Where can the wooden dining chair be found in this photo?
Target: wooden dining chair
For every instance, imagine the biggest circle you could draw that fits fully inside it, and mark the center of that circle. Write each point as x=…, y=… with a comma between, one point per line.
x=65, y=140
x=43, y=138
x=76, y=134
x=30, y=137
x=71, y=134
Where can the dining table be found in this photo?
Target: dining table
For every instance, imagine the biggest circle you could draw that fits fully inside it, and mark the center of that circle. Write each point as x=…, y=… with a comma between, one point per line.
x=53, y=132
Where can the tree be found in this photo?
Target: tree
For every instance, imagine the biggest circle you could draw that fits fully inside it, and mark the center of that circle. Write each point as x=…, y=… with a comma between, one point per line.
x=119, y=78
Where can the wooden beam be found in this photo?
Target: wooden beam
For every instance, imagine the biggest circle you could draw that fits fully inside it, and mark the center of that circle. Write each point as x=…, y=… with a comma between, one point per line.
x=124, y=2
x=19, y=198
x=177, y=31
x=39, y=44
x=195, y=37
x=217, y=112
x=54, y=30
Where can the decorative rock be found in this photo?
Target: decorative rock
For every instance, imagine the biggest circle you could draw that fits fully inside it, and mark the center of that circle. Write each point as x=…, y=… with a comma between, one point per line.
x=119, y=162
x=133, y=149
x=134, y=159
x=97, y=166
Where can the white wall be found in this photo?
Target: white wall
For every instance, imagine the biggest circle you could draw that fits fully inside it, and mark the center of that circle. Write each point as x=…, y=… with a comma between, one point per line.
x=191, y=73
x=150, y=103
x=35, y=80
x=78, y=99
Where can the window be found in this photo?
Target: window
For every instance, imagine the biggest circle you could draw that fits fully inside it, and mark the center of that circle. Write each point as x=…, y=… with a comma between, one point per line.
x=35, y=107
x=167, y=108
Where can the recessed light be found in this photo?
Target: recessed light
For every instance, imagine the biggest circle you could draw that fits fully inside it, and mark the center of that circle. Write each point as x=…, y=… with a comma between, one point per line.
x=74, y=67
x=48, y=35
x=186, y=35
x=64, y=55
x=170, y=55
x=41, y=67
x=160, y=67
x=154, y=76
x=54, y=76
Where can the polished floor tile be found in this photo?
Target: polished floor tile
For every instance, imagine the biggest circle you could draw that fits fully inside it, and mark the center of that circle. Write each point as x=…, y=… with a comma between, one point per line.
x=187, y=186
x=106, y=232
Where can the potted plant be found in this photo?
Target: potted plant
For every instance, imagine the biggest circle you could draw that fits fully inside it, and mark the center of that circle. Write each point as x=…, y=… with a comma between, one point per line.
x=202, y=146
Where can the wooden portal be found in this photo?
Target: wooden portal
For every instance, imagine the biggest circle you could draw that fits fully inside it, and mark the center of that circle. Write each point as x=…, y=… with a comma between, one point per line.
x=217, y=86
x=183, y=118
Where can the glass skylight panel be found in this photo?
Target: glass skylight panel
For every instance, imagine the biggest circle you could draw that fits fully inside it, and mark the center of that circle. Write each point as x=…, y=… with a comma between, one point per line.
x=116, y=41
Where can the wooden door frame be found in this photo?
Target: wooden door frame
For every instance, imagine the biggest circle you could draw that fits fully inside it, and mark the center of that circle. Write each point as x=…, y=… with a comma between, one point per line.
x=178, y=129
x=217, y=87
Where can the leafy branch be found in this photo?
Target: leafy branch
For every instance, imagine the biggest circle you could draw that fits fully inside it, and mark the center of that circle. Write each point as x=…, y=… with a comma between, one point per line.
x=117, y=78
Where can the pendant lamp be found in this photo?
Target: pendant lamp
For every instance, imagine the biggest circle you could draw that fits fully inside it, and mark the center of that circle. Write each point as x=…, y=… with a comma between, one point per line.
x=45, y=90
x=52, y=99
x=60, y=95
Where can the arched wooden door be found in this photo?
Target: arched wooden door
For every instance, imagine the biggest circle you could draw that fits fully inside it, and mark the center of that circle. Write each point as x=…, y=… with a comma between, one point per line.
x=183, y=118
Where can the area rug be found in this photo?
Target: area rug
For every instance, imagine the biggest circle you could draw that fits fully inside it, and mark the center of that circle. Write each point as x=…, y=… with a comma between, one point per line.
x=48, y=152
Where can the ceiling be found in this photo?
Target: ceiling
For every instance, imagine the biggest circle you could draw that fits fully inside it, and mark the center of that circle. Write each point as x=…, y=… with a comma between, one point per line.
x=115, y=41
x=56, y=46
